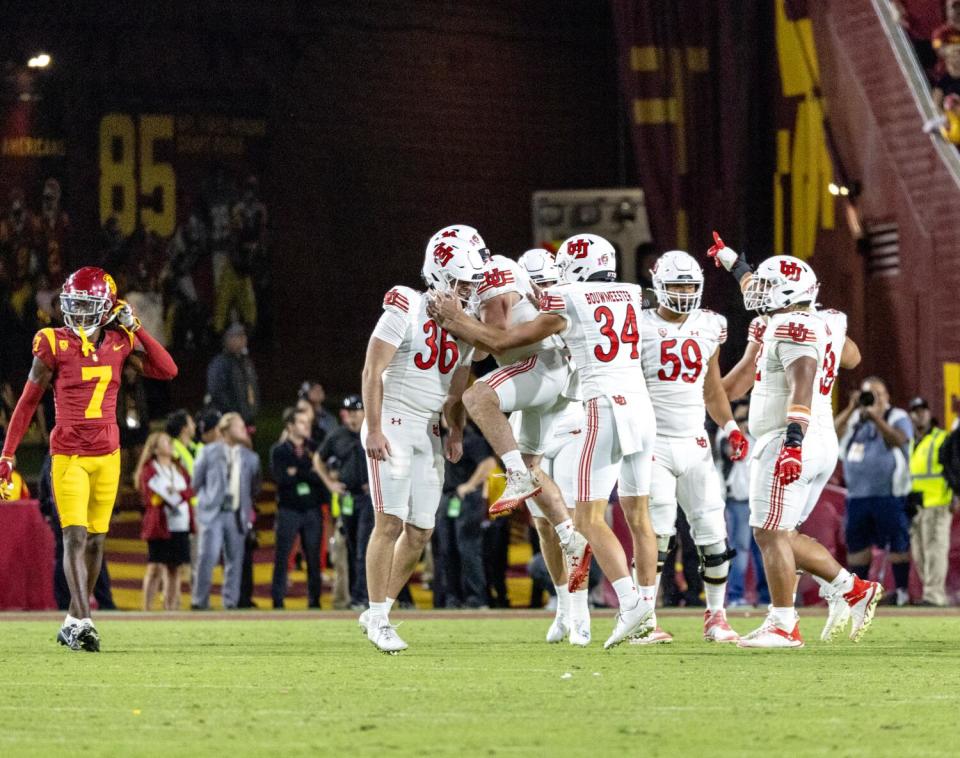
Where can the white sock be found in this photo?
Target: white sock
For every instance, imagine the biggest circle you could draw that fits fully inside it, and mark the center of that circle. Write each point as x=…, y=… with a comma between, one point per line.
x=70, y=620
x=380, y=609
x=842, y=582
x=564, y=531
x=715, y=595
x=513, y=461
x=580, y=605
x=656, y=587
x=627, y=593
x=563, y=600
x=390, y=601
x=648, y=594
x=785, y=618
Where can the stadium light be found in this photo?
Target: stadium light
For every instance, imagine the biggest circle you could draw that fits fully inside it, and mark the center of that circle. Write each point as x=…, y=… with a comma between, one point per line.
x=40, y=60
x=838, y=189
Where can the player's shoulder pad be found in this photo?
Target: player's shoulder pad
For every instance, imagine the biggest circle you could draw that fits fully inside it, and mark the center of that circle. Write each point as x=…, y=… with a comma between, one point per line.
x=715, y=321
x=552, y=300
x=400, y=299
x=800, y=327
x=45, y=344
x=757, y=329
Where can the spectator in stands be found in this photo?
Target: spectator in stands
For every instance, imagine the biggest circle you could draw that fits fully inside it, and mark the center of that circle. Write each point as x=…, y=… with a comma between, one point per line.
x=226, y=480
x=232, y=383
x=235, y=286
x=133, y=416
x=324, y=422
x=459, y=578
x=147, y=302
x=164, y=487
x=113, y=247
x=875, y=449
x=51, y=230
x=934, y=503
x=208, y=426
x=946, y=38
x=186, y=249
x=298, y=506
x=342, y=454
x=219, y=197
x=182, y=430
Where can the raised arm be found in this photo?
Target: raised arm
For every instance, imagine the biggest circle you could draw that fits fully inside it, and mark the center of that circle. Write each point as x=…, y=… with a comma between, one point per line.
x=450, y=315
x=154, y=362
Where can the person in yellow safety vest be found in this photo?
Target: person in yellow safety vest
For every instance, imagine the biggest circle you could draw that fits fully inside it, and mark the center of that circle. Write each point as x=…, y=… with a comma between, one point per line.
x=182, y=430
x=935, y=504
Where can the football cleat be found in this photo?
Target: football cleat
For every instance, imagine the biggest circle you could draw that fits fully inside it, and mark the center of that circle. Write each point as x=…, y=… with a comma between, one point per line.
x=579, y=554
x=67, y=636
x=838, y=615
x=580, y=633
x=88, y=637
x=631, y=623
x=769, y=635
x=862, y=599
x=520, y=486
x=656, y=637
x=558, y=630
x=384, y=636
x=364, y=620
x=716, y=628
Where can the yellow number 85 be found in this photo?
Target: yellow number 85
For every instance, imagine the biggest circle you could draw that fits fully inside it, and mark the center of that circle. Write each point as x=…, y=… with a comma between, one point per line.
x=103, y=375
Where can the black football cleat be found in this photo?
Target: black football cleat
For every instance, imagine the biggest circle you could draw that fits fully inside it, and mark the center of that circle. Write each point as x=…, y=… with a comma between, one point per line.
x=88, y=638
x=67, y=636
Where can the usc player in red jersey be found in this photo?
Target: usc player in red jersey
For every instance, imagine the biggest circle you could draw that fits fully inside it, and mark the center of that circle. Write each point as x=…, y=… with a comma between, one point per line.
x=84, y=362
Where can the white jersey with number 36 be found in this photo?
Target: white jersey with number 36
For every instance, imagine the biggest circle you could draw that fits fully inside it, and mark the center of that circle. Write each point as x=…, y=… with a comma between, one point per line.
x=602, y=334
x=675, y=359
x=787, y=337
x=418, y=376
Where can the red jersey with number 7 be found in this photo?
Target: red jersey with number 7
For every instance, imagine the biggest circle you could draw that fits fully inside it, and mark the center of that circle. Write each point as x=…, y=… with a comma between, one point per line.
x=418, y=376
x=85, y=388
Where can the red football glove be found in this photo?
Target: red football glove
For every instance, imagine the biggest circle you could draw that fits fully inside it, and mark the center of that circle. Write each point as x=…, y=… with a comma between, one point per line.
x=789, y=465
x=6, y=474
x=738, y=445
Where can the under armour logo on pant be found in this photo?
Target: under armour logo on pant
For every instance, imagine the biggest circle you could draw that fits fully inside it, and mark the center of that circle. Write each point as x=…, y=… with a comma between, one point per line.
x=395, y=421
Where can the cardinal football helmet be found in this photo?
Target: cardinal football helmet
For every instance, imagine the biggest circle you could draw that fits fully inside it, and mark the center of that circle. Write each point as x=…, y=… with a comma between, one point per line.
x=779, y=282
x=586, y=256
x=88, y=299
x=677, y=267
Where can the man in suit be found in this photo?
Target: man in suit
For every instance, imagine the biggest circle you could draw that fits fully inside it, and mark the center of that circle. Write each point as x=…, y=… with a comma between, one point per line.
x=226, y=479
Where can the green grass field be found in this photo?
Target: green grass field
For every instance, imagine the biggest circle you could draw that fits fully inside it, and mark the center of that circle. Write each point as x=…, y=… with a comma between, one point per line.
x=488, y=687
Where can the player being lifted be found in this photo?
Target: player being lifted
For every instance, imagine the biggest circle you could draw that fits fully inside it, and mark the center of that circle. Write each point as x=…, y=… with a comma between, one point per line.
x=681, y=344
x=598, y=320
x=840, y=352
x=85, y=361
x=560, y=464
x=413, y=371
x=791, y=453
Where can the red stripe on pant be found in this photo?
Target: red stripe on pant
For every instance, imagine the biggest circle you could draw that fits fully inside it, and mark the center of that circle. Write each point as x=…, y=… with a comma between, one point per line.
x=776, y=504
x=375, y=491
x=511, y=371
x=586, y=455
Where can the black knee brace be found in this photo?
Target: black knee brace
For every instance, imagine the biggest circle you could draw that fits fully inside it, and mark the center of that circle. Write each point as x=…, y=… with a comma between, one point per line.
x=713, y=560
x=663, y=554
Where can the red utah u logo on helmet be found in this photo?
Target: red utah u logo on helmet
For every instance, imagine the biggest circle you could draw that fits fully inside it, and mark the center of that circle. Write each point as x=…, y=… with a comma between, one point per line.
x=442, y=253
x=579, y=248
x=791, y=270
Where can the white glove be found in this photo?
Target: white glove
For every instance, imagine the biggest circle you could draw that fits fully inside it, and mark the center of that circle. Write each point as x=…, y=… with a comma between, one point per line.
x=721, y=254
x=125, y=317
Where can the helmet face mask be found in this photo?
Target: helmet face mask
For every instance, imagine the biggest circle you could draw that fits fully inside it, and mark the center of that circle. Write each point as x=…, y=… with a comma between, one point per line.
x=674, y=269
x=88, y=299
x=779, y=282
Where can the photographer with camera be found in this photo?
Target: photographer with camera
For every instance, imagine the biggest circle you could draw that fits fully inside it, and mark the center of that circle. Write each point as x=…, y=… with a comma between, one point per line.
x=875, y=440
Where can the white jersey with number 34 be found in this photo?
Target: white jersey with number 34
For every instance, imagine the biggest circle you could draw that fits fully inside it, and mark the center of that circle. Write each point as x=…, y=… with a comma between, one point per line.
x=418, y=376
x=675, y=360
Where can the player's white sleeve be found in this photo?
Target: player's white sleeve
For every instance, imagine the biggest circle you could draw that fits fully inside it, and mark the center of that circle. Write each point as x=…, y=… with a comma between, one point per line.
x=555, y=304
x=392, y=326
x=795, y=341
x=755, y=333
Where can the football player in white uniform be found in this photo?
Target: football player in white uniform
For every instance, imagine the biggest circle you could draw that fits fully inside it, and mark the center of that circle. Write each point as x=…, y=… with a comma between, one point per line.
x=413, y=371
x=559, y=463
x=790, y=453
x=598, y=319
x=681, y=344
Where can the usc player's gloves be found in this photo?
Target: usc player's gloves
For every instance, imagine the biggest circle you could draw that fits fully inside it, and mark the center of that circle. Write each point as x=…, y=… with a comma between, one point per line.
x=6, y=474
x=126, y=318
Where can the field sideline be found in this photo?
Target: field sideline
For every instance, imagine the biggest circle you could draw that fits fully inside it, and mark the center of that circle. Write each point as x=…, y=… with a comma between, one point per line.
x=481, y=685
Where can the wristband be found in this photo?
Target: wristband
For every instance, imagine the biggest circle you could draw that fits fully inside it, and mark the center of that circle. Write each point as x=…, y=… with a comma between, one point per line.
x=794, y=435
x=741, y=268
x=730, y=427
x=799, y=414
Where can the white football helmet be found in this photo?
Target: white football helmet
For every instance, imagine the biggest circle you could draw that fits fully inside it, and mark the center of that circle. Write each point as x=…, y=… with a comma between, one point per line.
x=778, y=282
x=584, y=256
x=460, y=232
x=540, y=266
x=677, y=267
x=454, y=266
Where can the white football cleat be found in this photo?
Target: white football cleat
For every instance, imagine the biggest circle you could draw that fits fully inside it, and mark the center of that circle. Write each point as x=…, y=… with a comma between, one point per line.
x=634, y=622
x=578, y=554
x=862, y=599
x=838, y=615
x=520, y=486
x=716, y=628
x=580, y=633
x=558, y=630
x=364, y=620
x=384, y=636
x=656, y=637
x=770, y=636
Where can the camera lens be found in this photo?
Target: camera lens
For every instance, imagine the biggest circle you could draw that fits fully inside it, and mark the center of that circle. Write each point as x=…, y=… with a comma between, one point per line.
x=867, y=398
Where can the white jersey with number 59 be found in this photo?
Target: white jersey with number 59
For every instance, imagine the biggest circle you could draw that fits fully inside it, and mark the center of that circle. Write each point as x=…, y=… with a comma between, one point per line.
x=418, y=376
x=787, y=337
x=675, y=359
x=602, y=334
